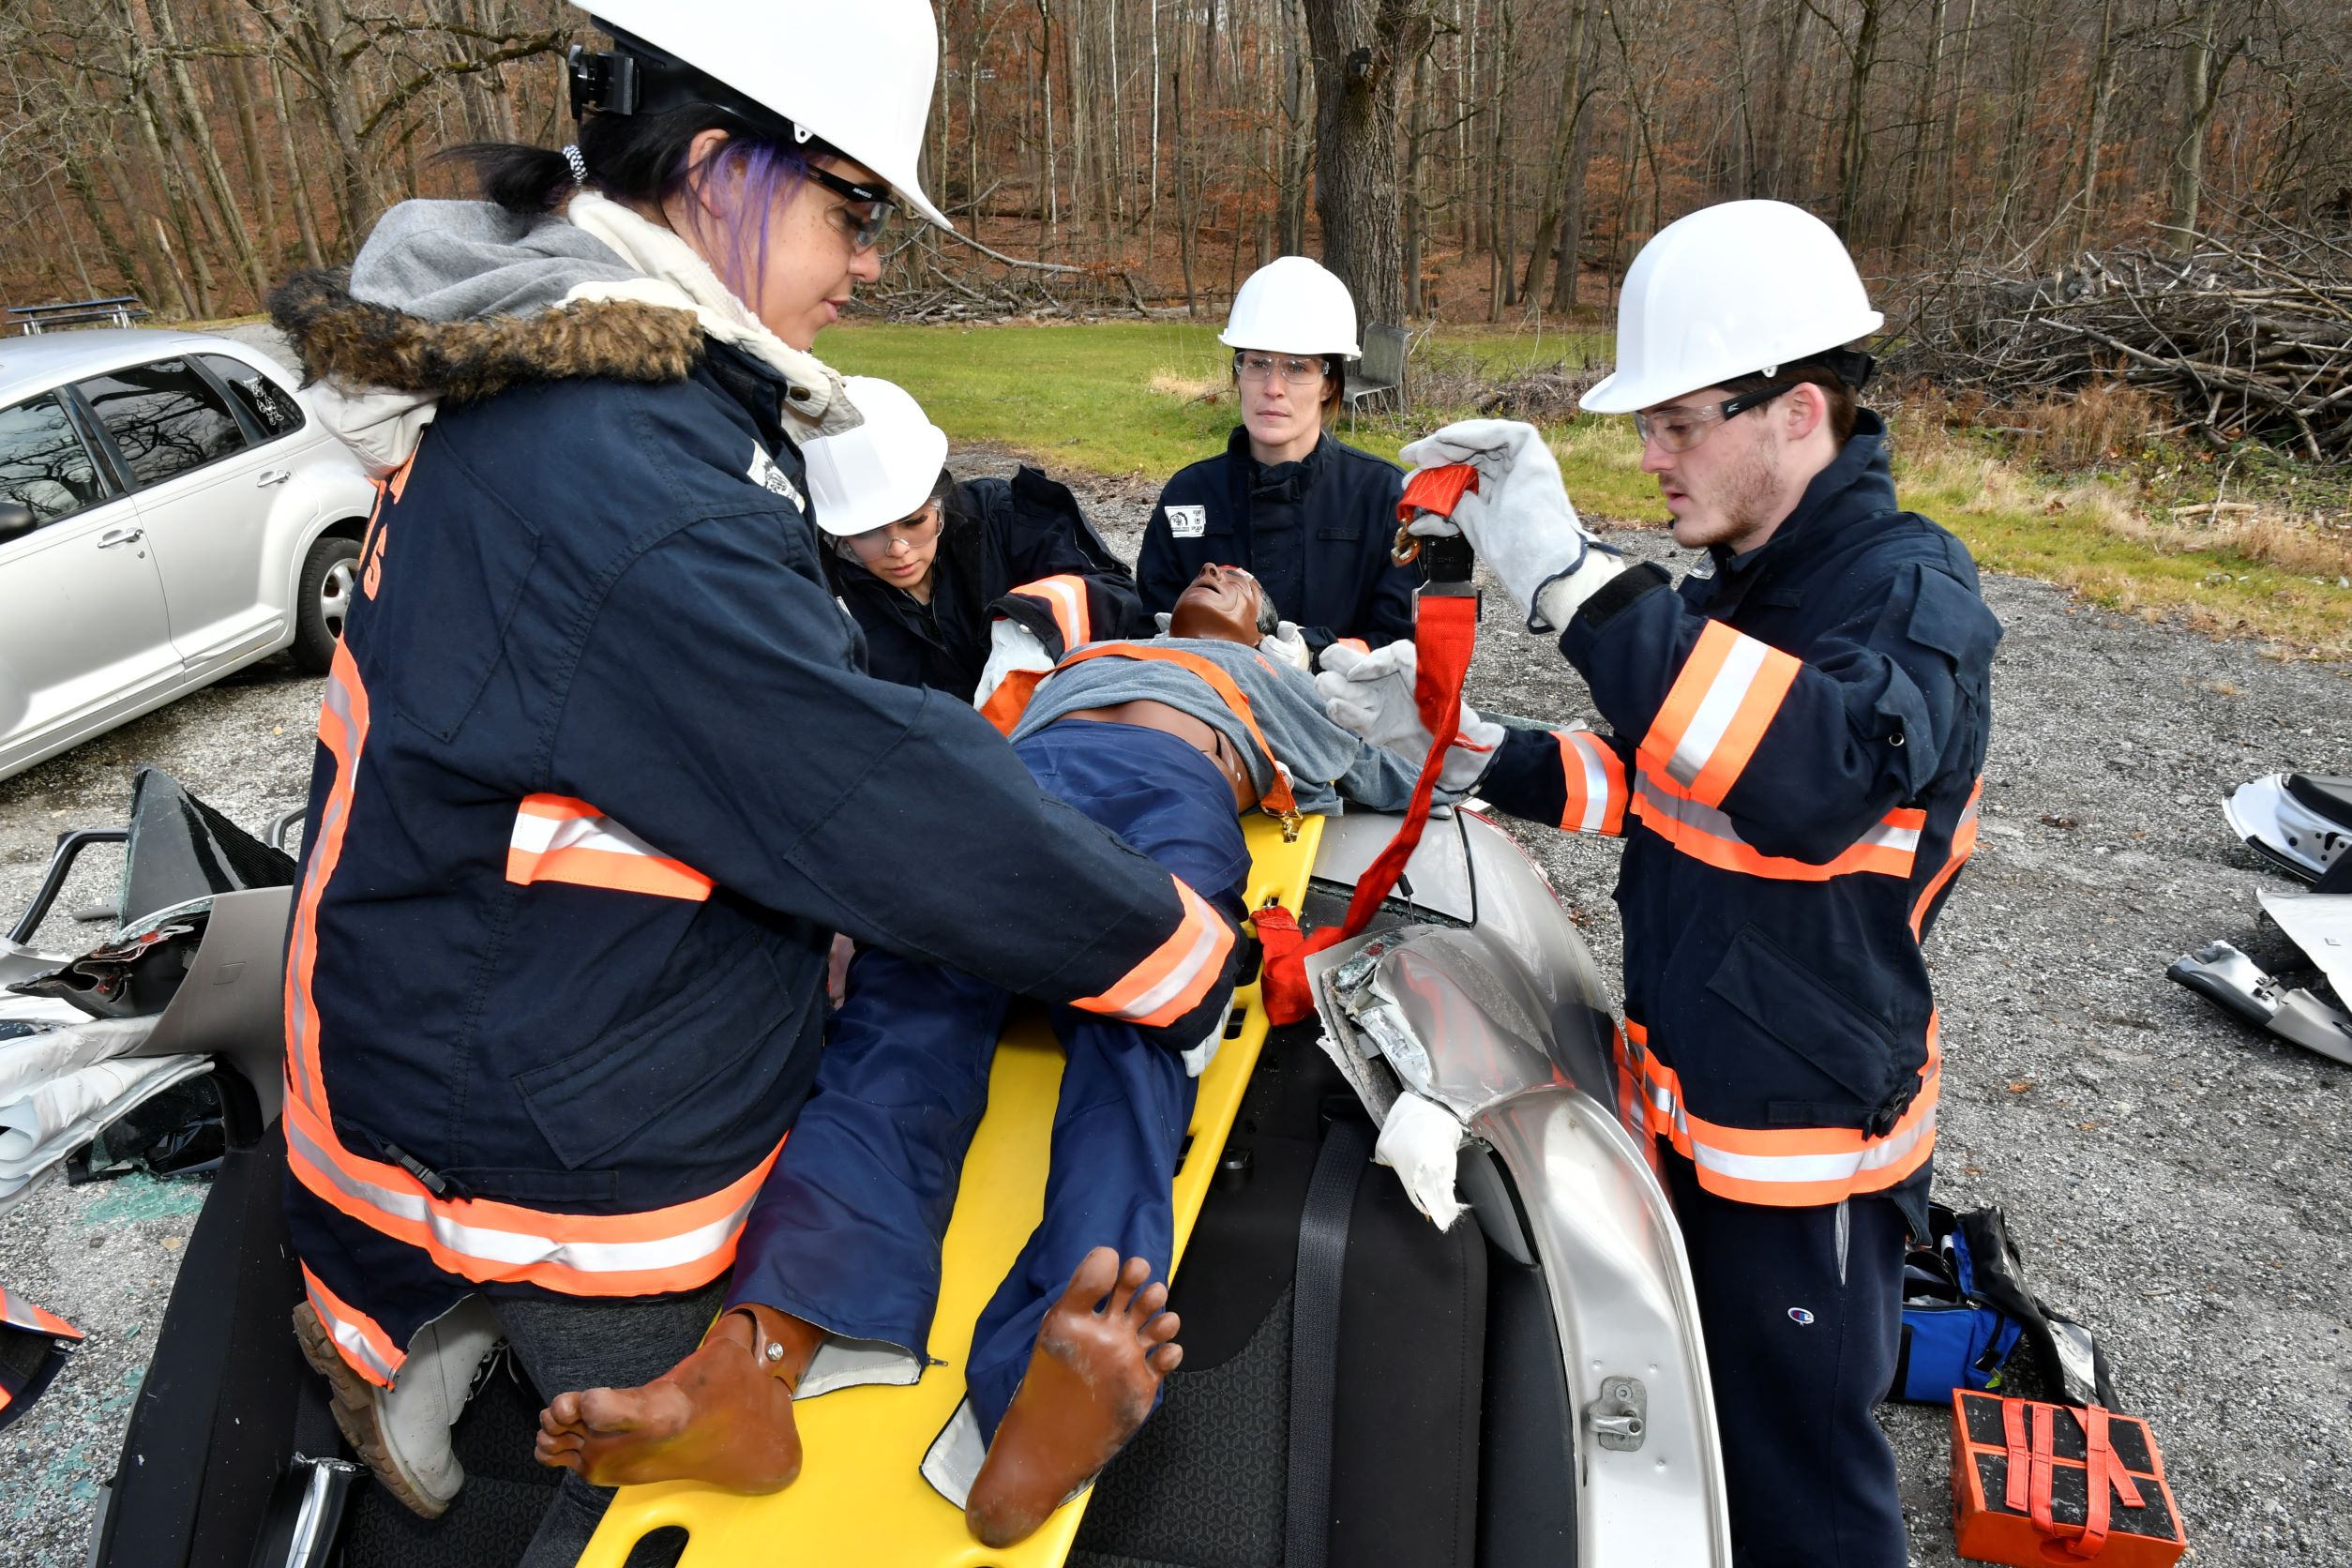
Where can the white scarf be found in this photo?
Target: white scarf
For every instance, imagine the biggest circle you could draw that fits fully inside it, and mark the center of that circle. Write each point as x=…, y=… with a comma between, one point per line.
x=677, y=277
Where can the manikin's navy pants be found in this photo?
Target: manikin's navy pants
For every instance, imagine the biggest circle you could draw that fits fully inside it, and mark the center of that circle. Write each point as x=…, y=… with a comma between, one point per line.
x=846, y=1233
x=1803, y=1312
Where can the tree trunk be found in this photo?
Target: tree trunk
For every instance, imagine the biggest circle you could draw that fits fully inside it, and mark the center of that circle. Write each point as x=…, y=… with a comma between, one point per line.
x=197, y=125
x=1363, y=51
x=298, y=197
x=2095, y=122
x=1856, y=151
x=1554, y=200
x=2201, y=90
x=1923, y=118
x=1571, y=224
x=1416, y=199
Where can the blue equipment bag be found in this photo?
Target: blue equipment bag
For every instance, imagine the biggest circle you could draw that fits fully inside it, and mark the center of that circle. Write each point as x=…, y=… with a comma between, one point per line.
x=1955, y=1335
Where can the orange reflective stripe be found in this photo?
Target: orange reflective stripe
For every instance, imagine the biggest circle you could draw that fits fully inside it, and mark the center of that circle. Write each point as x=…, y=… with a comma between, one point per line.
x=1717, y=711
x=1065, y=596
x=24, y=1314
x=1278, y=801
x=361, y=1341
x=1788, y=1167
x=680, y=1247
x=559, y=838
x=1963, y=845
x=1010, y=700
x=1595, y=778
x=1171, y=982
x=1889, y=848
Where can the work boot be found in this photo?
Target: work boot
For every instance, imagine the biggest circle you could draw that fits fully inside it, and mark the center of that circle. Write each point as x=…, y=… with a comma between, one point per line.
x=402, y=1433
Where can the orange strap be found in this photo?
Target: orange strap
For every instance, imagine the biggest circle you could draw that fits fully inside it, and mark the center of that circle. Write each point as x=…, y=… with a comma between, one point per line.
x=1445, y=630
x=2101, y=1473
x=2014, y=1428
x=1278, y=801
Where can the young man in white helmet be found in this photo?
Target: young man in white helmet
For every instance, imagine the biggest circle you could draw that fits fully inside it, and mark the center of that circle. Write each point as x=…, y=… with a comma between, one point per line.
x=1795, y=738
x=919, y=557
x=599, y=776
x=1312, y=515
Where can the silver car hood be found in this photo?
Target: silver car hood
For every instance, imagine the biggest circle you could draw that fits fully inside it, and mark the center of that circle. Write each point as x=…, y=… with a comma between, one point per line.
x=1493, y=1011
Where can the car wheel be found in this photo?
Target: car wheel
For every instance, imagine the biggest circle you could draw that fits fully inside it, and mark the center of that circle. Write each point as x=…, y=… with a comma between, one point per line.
x=330, y=577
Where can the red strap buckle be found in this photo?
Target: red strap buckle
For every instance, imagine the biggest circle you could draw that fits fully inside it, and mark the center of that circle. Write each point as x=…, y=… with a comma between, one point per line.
x=1434, y=491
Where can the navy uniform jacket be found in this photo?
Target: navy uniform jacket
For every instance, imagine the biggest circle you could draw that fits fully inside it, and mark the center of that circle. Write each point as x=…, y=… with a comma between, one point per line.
x=1797, y=740
x=1316, y=532
x=599, y=779
x=1001, y=536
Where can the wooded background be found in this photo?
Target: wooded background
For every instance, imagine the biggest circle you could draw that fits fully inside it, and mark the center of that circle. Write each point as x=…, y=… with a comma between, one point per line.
x=1441, y=154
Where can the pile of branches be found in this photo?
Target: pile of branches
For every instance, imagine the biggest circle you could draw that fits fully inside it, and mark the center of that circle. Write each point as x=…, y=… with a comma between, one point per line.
x=2243, y=339
x=1539, y=393
x=935, y=276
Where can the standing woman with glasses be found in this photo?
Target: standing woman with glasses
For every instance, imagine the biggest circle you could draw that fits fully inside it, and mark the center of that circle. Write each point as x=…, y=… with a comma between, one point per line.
x=600, y=774
x=1310, y=516
x=923, y=561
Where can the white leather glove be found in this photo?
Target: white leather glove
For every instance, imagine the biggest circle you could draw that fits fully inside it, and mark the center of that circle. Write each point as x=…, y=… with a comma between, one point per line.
x=1011, y=646
x=1372, y=695
x=1518, y=520
x=1286, y=644
x=1161, y=621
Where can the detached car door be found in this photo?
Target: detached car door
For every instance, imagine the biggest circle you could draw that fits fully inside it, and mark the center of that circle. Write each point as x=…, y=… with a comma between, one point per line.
x=203, y=491
x=83, y=632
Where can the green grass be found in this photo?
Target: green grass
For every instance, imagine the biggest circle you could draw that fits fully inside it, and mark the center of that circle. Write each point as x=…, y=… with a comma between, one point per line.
x=1124, y=398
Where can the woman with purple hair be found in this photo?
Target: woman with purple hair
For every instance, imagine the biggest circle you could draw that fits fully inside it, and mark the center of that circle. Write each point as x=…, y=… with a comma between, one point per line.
x=600, y=772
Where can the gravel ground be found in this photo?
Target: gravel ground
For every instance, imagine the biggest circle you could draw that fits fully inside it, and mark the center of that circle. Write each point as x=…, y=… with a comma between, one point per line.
x=2176, y=1181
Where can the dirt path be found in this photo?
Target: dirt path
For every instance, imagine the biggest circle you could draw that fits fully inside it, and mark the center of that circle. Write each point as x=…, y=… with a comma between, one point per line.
x=2176, y=1181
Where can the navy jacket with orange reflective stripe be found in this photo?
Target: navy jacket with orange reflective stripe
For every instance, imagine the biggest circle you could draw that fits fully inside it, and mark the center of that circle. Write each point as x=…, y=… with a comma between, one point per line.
x=1001, y=534
x=599, y=779
x=1798, y=740
x=1315, y=533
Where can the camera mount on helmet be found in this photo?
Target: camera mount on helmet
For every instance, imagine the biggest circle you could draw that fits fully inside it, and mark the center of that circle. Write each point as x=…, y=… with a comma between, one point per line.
x=634, y=76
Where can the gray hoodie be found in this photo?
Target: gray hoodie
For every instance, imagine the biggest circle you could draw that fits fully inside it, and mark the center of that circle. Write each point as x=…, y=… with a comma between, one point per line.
x=1318, y=753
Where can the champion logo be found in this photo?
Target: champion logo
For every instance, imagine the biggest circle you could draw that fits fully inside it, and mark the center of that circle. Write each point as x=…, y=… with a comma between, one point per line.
x=1800, y=1317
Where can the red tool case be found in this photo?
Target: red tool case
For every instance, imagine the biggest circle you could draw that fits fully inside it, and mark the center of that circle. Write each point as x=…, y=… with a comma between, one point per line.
x=2034, y=1484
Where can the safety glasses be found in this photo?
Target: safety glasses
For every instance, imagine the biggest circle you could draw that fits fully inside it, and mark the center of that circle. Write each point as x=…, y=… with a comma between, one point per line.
x=915, y=531
x=1262, y=366
x=1679, y=429
x=865, y=231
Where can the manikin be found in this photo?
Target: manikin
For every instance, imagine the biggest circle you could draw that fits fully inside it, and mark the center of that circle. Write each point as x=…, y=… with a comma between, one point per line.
x=837, y=1274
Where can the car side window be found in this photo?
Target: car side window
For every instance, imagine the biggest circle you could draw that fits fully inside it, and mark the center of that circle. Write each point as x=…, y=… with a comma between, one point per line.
x=43, y=462
x=277, y=411
x=164, y=418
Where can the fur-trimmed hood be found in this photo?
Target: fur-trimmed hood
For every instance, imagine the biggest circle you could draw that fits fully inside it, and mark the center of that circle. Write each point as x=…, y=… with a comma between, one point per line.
x=459, y=301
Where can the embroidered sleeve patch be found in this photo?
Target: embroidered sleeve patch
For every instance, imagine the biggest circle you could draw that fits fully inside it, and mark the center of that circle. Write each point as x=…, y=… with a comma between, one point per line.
x=1188, y=522
x=766, y=474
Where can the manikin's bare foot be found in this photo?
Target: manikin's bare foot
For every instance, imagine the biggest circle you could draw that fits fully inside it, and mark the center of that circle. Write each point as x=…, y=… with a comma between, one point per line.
x=723, y=1415
x=1091, y=1381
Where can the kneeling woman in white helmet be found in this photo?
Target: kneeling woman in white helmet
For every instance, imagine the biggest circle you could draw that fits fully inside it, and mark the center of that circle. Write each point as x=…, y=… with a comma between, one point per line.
x=919, y=556
x=1312, y=517
x=599, y=776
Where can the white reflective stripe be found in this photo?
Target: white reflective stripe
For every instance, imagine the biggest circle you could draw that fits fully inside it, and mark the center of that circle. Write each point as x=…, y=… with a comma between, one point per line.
x=1203, y=953
x=1724, y=693
x=1716, y=825
x=508, y=1247
x=537, y=835
x=1069, y=608
x=1596, y=785
x=1875, y=1154
x=351, y=1340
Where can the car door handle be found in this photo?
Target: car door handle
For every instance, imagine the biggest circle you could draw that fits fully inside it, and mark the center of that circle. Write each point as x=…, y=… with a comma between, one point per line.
x=272, y=477
x=114, y=537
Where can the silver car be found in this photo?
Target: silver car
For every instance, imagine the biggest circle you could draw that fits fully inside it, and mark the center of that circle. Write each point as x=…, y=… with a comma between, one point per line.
x=169, y=510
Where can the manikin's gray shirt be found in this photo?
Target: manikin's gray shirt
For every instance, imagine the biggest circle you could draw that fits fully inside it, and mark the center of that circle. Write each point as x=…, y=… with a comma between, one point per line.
x=1318, y=753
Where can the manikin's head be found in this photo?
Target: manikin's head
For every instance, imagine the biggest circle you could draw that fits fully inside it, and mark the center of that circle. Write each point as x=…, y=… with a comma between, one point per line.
x=1225, y=604
x=1732, y=460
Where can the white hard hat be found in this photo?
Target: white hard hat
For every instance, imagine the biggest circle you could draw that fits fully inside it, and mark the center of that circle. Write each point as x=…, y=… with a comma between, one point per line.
x=883, y=469
x=857, y=76
x=1728, y=291
x=1292, y=305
